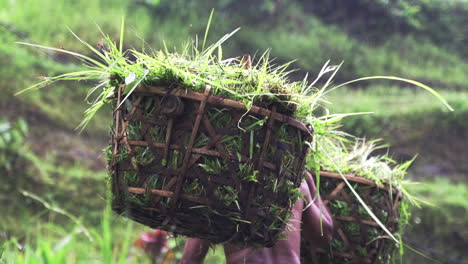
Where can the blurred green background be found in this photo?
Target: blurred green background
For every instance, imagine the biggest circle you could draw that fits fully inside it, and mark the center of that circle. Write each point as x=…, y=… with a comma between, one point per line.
x=52, y=179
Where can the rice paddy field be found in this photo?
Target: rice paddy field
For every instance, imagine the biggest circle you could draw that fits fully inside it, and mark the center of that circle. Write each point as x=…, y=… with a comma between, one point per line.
x=53, y=195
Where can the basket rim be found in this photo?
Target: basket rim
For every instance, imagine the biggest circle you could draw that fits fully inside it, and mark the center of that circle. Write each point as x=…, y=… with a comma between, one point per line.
x=355, y=178
x=217, y=100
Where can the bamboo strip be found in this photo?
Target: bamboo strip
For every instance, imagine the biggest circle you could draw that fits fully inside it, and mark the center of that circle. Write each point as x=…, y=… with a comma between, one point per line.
x=266, y=142
x=116, y=179
x=132, y=111
x=354, y=219
x=352, y=177
x=337, y=189
x=170, y=124
x=166, y=188
x=204, y=151
x=176, y=147
x=188, y=149
x=197, y=156
x=343, y=237
x=169, y=194
x=212, y=133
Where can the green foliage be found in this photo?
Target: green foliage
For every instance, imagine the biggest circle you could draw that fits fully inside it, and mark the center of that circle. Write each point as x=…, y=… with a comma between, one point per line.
x=410, y=121
x=213, y=166
x=55, y=244
x=445, y=216
x=143, y=156
x=227, y=195
x=247, y=172
x=444, y=197
x=404, y=56
x=193, y=187
x=131, y=178
x=233, y=144
x=433, y=21
x=219, y=118
x=11, y=143
x=175, y=159
x=16, y=157
x=215, y=255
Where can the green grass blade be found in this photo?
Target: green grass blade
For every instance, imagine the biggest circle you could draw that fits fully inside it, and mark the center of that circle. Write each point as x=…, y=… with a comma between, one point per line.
x=425, y=87
x=325, y=69
x=92, y=90
x=334, y=118
x=81, y=56
x=126, y=244
x=207, y=30
x=210, y=49
x=79, y=75
x=422, y=254
x=89, y=46
x=58, y=210
x=133, y=88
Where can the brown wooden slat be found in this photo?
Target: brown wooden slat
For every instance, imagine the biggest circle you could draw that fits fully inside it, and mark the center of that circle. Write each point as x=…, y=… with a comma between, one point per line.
x=188, y=149
x=203, y=151
x=169, y=194
x=354, y=219
x=167, y=143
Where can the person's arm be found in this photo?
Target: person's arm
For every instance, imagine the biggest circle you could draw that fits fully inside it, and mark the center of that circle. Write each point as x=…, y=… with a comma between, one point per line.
x=195, y=250
x=318, y=233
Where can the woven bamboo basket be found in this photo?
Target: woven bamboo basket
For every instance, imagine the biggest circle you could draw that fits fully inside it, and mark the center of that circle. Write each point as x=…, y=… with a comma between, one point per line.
x=173, y=191
x=357, y=238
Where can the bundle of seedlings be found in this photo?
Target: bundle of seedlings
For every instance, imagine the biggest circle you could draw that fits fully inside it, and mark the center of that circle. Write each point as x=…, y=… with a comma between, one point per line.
x=204, y=165
x=379, y=181
x=216, y=148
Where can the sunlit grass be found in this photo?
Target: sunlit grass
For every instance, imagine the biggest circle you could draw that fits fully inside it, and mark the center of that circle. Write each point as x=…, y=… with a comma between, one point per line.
x=53, y=242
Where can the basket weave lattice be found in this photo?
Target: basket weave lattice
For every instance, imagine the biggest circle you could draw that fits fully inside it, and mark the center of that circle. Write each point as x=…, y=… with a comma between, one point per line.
x=357, y=238
x=176, y=202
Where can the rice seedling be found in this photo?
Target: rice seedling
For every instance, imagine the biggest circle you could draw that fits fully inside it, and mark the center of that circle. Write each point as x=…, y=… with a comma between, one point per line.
x=212, y=166
x=219, y=117
x=247, y=172
x=232, y=144
x=228, y=195
x=194, y=188
x=143, y=156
